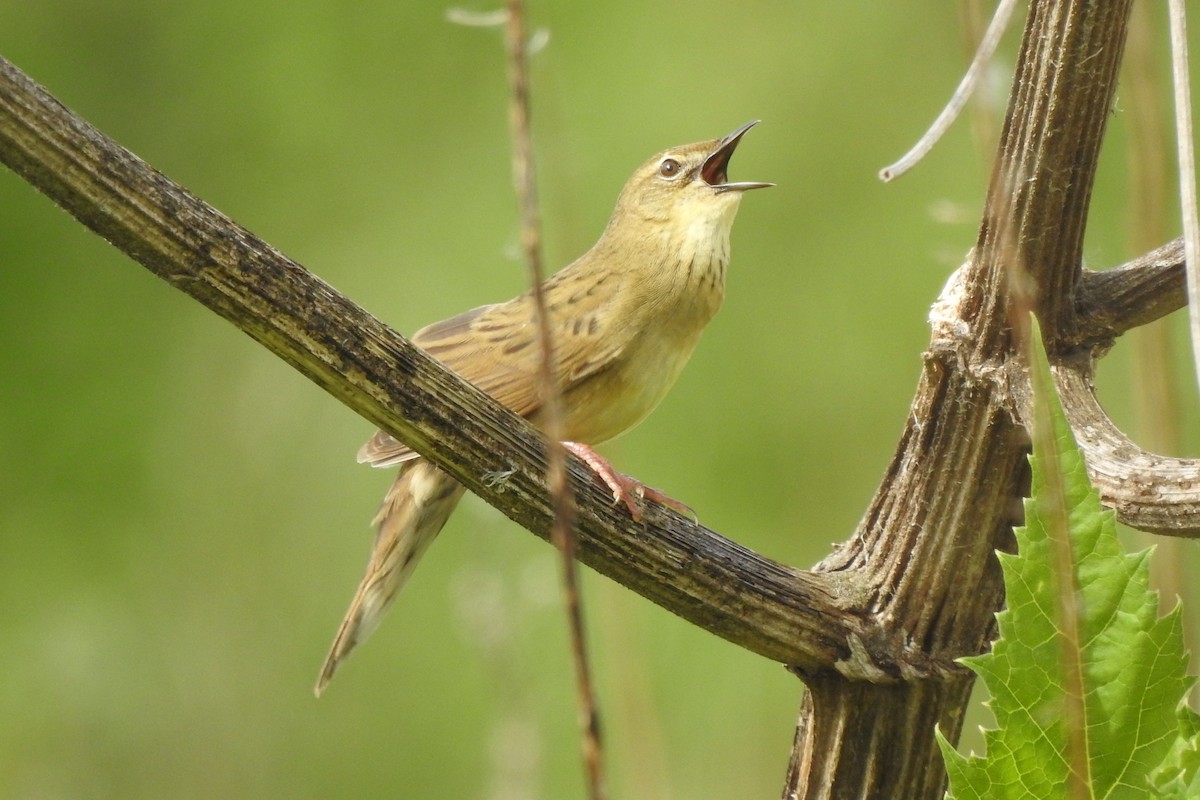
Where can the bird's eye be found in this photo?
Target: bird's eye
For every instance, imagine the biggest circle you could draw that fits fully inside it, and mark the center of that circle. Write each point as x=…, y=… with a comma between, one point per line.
x=669, y=168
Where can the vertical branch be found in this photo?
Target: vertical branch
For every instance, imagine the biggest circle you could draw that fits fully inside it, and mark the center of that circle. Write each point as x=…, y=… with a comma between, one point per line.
x=556, y=469
x=1047, y=126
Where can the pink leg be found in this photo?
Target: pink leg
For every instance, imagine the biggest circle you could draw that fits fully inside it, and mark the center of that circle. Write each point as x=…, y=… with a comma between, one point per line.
x=625, y=489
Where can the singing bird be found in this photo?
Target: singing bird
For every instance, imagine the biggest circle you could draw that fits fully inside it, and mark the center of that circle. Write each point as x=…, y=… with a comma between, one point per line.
x=625, y=317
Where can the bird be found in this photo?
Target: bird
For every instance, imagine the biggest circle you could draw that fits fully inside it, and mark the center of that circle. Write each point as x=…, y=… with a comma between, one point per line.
x=625, y=317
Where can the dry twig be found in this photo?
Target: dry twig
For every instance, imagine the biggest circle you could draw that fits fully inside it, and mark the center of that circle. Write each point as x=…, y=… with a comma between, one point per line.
x=966, y=87
x=556, y=470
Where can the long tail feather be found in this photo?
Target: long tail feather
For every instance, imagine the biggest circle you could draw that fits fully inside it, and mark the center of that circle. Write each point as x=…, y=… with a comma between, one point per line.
x=413, y=512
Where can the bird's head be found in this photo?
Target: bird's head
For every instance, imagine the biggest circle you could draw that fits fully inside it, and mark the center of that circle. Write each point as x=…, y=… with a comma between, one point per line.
x=687, y=186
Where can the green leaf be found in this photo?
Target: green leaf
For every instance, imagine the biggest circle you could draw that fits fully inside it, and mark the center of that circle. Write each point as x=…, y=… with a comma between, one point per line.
x=1178, y=776
x=1129, y=663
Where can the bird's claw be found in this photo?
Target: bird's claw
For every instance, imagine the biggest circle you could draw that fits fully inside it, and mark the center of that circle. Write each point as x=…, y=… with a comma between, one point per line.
x=625, y=489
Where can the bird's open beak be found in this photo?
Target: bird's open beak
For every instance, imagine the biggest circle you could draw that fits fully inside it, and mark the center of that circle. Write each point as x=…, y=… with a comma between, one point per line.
x=715, y=171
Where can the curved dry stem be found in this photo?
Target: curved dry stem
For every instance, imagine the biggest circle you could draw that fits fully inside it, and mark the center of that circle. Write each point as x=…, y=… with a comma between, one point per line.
x=1154, y=493
x=1150, y=492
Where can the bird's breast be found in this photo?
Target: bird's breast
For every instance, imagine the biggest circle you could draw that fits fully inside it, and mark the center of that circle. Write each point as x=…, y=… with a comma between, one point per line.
x=665, y=331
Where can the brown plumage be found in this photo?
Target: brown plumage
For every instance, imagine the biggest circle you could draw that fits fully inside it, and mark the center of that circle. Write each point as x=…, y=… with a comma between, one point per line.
x=625, y=317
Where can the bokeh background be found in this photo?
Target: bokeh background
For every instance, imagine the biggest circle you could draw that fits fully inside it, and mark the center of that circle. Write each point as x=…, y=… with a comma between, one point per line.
x=182, y=522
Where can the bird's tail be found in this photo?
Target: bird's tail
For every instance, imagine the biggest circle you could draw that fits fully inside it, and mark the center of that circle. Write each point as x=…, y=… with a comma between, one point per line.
x=413, y=512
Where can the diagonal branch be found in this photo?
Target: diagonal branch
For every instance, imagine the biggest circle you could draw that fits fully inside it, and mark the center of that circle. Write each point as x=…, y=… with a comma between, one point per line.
x=781, y=613
x=1041, y=185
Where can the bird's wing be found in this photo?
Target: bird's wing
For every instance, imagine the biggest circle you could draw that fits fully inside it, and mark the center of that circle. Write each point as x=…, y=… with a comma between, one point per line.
x=496, y=348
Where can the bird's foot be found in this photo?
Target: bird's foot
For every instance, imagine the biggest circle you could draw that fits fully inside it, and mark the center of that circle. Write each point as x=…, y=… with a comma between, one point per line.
x=625, y=489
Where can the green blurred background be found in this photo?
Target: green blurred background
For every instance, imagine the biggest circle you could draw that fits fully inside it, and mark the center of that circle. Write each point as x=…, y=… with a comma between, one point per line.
x=182, y=521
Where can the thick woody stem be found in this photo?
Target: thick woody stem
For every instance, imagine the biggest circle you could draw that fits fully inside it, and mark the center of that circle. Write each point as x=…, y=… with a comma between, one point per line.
x=951, y=494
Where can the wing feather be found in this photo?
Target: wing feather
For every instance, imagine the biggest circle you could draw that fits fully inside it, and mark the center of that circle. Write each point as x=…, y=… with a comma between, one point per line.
x=495, y=347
